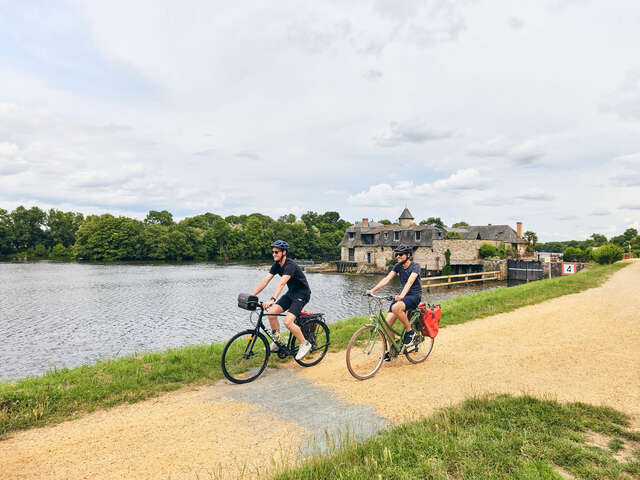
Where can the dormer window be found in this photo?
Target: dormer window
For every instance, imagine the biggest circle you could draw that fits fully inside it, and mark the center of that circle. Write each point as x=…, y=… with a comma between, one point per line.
x=418, y=235
x=396, y=236
x=352, y=235
x=386, y=235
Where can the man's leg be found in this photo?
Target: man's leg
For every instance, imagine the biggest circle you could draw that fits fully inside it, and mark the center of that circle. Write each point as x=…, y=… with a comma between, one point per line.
x=399, y=310
x=289, y=322
x=274, y=310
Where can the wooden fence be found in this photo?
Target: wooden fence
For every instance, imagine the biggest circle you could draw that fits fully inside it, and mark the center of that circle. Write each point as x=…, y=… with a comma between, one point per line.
x=462, y=278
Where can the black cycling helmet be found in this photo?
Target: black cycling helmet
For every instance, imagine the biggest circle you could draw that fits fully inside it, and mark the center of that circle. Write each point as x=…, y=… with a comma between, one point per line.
x=281, y=244
x=403, y=249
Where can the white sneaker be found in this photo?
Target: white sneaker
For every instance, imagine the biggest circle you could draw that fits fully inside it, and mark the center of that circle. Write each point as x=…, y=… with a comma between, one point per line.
x=274, y=347
x=303, y=350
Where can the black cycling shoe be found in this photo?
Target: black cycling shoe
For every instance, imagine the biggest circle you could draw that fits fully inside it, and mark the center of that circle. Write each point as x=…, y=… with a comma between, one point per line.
x=387, y=357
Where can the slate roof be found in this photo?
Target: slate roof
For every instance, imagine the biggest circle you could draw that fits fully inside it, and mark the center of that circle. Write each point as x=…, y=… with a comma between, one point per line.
x=406, y=215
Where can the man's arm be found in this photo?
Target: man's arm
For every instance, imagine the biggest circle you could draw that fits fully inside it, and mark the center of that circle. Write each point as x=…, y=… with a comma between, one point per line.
x=276, y=294
x=265, y=281
x=383, y=282
x=407, y=286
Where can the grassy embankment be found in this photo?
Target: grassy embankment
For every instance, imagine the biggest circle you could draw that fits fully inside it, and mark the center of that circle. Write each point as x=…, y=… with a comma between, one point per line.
x=499, y=437
x=64, y=394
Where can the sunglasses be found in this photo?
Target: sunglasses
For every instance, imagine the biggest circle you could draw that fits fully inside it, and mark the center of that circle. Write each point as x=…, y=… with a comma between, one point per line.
x=400, y=254
x=275, y=252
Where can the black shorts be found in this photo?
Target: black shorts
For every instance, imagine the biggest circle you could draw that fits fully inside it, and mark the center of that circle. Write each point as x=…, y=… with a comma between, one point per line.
x=294, y=302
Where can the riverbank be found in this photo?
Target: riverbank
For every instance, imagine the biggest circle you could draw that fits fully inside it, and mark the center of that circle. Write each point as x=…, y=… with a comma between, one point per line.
x=66, y=394
x=557, y=350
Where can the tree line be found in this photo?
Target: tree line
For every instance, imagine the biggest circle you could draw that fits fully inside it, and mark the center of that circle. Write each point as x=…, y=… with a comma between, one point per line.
x=597, y=247
x=34, y=233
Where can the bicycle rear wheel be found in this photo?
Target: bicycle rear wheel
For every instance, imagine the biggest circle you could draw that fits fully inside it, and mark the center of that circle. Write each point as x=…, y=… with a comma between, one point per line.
x=316, y=332
x=245, y=356
x=420, y=349
x=365, y=352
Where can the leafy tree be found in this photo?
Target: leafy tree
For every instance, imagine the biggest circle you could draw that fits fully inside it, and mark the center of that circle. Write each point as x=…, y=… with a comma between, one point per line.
x=459, y=224
x=385, y=222
x=598, y=239
x=289, y=218
x=107, y=238
x=453, y=236
x=28, y=227
x=62, y=227
x=5, y=233
x=435, y=221
x=531, y=237
x=607, y=253
x=159, y=218
x=573, y=254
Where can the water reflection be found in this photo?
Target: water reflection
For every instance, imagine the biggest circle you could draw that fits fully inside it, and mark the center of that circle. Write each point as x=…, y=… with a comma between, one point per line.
x=66, y=314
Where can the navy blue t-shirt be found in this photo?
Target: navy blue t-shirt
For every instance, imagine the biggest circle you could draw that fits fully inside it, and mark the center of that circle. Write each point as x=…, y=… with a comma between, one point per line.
x=416, y=288
x=298, y=282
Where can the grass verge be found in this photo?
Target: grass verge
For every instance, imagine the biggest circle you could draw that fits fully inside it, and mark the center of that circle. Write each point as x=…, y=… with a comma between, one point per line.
x=500, y=437
x=67, y=393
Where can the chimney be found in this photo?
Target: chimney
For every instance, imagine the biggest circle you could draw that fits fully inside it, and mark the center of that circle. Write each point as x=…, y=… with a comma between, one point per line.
x=519, y=229
x=488, y=224
x=365, y=222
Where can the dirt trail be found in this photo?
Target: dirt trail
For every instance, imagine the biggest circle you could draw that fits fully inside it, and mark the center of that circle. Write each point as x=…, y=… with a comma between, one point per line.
x=579, y=347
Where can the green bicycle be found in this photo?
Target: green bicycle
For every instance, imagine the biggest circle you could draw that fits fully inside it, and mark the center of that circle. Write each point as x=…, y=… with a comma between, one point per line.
x=367, y=347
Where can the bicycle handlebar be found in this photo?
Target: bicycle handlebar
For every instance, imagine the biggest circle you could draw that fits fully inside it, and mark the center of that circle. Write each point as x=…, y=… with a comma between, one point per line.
x=385, y=297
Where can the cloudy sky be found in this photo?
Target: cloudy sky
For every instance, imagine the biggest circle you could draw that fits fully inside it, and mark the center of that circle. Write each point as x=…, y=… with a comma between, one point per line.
x=484, y=111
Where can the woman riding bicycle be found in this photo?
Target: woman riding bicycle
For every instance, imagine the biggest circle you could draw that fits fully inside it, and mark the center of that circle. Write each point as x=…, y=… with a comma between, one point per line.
x=409, y=298
x=297, y=296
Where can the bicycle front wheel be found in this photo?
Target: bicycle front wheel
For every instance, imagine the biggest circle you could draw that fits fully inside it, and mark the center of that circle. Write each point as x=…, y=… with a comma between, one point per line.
x=245, y=356
x=365, y=352
x=317, y=333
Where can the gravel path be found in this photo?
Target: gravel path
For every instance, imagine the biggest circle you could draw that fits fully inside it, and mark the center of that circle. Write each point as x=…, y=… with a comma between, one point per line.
x=583, y=347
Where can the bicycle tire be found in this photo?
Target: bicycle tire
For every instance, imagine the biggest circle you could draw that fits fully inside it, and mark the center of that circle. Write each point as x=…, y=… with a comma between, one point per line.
x=237, y=365
x=365, y=352
x=425, y=346
x=317, y=333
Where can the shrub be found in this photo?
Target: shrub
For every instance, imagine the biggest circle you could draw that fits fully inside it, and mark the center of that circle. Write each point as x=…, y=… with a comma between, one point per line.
x=60, y=251
x=607, y=253
x=487, y=250
x=573, y=254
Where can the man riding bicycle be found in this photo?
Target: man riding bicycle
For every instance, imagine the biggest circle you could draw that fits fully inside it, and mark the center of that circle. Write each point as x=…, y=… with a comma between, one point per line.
x=409, y=298
x=297, y=296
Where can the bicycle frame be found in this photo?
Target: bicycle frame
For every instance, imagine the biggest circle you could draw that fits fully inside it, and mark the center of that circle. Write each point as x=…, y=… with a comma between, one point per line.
x=285, y=350
x=379, y=322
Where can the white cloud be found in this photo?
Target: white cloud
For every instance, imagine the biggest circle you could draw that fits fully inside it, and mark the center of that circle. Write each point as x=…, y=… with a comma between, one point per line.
x=410, y=132
x=8, y=149
x=523, y=153
x=384, y=194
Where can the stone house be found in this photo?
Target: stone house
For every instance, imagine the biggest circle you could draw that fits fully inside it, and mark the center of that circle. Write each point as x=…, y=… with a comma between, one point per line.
x=373, y=243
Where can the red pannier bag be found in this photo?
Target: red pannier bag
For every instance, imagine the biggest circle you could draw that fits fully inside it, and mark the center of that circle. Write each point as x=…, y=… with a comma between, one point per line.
x=430, y=323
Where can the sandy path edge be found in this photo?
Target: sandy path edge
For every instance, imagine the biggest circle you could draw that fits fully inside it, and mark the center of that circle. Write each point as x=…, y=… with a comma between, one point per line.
x=584, y=346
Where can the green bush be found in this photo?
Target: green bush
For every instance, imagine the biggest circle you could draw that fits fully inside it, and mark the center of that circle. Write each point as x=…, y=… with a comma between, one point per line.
x=607, y=253
x=573, y=254
x=487, y=250
x=59, y=251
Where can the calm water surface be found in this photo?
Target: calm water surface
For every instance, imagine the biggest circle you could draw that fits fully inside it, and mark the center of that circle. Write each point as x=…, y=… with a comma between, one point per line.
x=67, y=314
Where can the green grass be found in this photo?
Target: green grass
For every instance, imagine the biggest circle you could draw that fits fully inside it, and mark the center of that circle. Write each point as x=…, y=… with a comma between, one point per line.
x=501, y=437
x=67, y=393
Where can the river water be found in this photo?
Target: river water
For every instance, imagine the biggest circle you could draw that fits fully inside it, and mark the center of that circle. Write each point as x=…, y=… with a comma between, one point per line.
x=70, y=314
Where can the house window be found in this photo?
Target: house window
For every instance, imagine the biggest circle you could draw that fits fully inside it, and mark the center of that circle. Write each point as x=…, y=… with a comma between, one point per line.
x=386, y=235
x=396, y=236
x=418, y=236
x=352, y=235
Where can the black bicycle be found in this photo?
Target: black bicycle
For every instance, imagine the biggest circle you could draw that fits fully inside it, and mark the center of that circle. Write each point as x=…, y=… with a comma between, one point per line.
x=246, y=354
